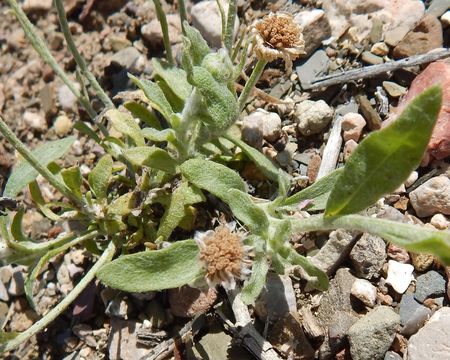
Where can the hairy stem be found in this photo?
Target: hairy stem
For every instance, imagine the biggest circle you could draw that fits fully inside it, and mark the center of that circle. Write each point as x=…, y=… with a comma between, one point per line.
x=222, y=18
x=165, y=30
x=63, y=305
x=183, y=14
x=78, y=58
x=40, y=47
x=250, y=84
x=229, y=31
x=34, y=162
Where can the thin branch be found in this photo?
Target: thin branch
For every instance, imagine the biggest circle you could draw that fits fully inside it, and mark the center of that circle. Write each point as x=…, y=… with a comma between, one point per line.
x=165, y=30
x=78, y=58
x=63, y=305
x=183, y=14
x=374, y=70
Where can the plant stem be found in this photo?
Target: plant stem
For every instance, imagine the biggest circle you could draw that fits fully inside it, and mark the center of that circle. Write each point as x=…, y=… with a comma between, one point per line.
x=183, y=14
x=39, y=45
x=63, y=305
x=254, y=77
x=78, y=58
x=231, y=18
x=165, y=30
x=34, y=162
x=222, y=18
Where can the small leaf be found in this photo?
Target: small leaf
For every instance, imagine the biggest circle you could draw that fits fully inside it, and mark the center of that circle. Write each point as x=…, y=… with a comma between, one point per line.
x=254, y=285
x=122, y=205
x=168, y=268
x=99, y=177
x=23, y=173
x=38, y=199
x=318, y=279
x=175, y=78
x=86, y=130
x=159, y=135
x=151, y=156
x=213, y=177
x=16, y=227
x=198, y=46
x=183, y=196
x=318, y=193
x=141, y=112
x=261, y=161
x=246, y=211
x=73, y=179
x=126, y=125
x=154, y=95
x=384, y=160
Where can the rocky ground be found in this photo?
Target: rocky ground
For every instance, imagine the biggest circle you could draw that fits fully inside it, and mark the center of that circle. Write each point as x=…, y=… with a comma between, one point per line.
x=383, y=302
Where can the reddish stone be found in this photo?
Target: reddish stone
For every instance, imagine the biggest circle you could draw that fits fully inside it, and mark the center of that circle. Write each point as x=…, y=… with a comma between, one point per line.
x=436, y=73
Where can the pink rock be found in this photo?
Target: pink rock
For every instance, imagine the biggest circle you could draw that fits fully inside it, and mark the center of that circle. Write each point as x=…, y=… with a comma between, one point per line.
x=436, y=73
x=352, y=126
x=349, y=147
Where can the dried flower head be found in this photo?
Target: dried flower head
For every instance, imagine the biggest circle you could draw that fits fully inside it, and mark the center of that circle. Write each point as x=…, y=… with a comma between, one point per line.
x=224, y=256
x=278, y=36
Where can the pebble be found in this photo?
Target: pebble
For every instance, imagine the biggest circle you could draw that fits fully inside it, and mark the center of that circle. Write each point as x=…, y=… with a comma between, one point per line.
x=6, y=273
x=430, y=284
x=338, y=328
x=66, y=99
x=433, y=339
x=63, y=125
x=23, y=320
x=152, y=32
x=260, y=125
x=440, y=222
x=206, y=18
x=399, y=276
x=30, y=6
x=316, y=28
x=372, y=335
x=276, y=299
x=380, y=49
x=422, y=261
x=312, y=67
x=412, y=314
x=371, y=116
x=36, y=121
x=129, y=59
x=391, y=355
x=349, y=147
x=123, y=341
x=412, y=178
x=313, y=116
x=3, y=292
x=16, y=285
x=393, y=89
x=398, y=254
x=371, y=59
x=335, y=250
x=368, y=256
x=363, y=290
x=188, y=302
x=426, y=36
x=352, y=126
x=432, y=197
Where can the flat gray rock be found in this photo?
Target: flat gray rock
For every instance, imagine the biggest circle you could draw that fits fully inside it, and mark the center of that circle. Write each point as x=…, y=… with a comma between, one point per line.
x=372, y=335
x=368, y=256
x=433, y=340
x=313, y=67
x=431, y=284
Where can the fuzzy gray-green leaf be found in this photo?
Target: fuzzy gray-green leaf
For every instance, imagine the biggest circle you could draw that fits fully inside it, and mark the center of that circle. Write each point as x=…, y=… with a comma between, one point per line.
x=151, y=156
x=384, y=160
x=254, y=285
x=198, y=47
x=73, y=179
x=213, y=177
x=99, y=177
x=168, y=268
x=23, y=173
x=143, y=113
x=126, y=125
x=175, y=78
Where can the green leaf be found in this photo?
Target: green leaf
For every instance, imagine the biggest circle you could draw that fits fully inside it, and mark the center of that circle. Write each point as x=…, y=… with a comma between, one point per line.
x=73, y=179
x=151, y=156
x=159, y=135
x=261, y=161
x=198, y=47
x=86, y=130
x=99, y=177
x=23, y=173
x=122, y=205
x=141, y=112
x=246, y=211
x=183, y=196
x=384, y=160
x=317, y=278
x=175, y=78
x=126, y=125
x=38, y=199
x=168, y=268
x=213, y=177
x=154, y=95
x=254, y=285
x=318, y=193
x=16, y=226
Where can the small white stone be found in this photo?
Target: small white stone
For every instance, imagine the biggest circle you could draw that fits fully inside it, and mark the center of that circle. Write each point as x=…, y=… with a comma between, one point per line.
x=352, y=126
x=380, y=49
x=66, y=98
x=153, y=34
x=364, y=291
x=313, y=116
x=35, y=121
x=412, y=178
x=37, y=5
x=399, y=276
x=63, y=125
x=261, y=124
x=432, y=197
x=440, y=222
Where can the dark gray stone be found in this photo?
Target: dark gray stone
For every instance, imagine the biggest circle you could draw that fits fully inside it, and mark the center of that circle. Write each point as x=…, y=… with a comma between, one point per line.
x=338, y=329
x=431, y=284
x=368, y=256
x=407, y=307
x=313, y=67
x=372, y=335
x=416, y=321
